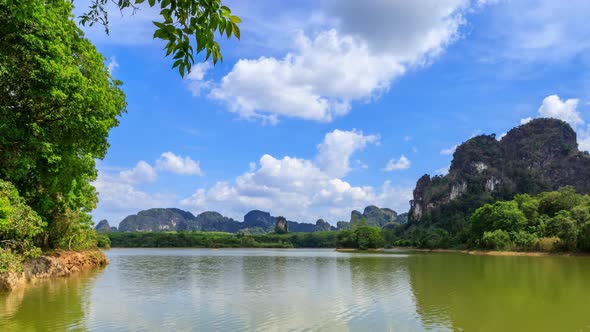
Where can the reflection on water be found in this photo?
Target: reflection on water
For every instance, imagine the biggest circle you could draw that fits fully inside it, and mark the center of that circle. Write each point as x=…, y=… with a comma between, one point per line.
x=62, y=301
x=502, y=293
x=230, y=290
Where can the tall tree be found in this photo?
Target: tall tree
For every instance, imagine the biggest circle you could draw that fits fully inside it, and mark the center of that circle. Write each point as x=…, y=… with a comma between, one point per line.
x=57, y=105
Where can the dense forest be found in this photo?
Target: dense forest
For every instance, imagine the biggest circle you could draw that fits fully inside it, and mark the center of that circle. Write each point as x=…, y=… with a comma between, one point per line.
x=362, y=237
x=57, y=105
x=551, y=221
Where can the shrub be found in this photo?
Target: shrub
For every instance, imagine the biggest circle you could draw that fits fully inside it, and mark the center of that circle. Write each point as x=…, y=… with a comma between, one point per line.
x=584, y=237
x=19, y=225
x=524, y=241
x=562, y=226
x=103, y=241
x=500, y=215
x=496, y=240
x=547, y=244
x=346, y=239
x=368, y=237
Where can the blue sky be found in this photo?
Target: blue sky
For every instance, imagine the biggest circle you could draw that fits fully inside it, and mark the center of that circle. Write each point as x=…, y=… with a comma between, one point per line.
x=328, y=106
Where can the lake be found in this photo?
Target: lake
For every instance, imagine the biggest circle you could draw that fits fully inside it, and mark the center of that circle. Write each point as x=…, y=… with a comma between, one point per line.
x=308, y=290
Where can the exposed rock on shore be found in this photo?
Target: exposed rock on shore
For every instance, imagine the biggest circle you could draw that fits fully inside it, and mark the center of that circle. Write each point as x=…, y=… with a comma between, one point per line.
x=55, y=264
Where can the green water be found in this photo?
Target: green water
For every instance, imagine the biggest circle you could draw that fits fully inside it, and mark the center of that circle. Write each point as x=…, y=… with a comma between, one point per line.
x=316, y=290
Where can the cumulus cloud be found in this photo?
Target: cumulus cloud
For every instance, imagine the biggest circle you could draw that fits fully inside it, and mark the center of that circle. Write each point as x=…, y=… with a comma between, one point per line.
x=335, y=151
x=299, y=188
x=567, y=110
x=368, y=45
x=168, y=161
x=554, y=107
x=584, y=139
x=118, y=195
x=526, y=120
x=442, y=171
x=399, y=164
x=112, y=65
x=142, y=172
x=196, y=78
x=316, y=82
x=449, y=151
x=410, y=31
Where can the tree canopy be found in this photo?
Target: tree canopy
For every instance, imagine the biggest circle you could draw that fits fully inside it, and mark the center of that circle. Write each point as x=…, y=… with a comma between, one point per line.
x=57, y=105
x=187, y=27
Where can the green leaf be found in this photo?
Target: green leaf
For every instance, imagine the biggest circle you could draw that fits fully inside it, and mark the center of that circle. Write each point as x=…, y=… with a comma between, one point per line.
x=164, y=3
x=159, y=25
x=228, y=29
x=178, y=55
x=160, y=34
x=152, y=2
x=235, y=19
x=236, y=31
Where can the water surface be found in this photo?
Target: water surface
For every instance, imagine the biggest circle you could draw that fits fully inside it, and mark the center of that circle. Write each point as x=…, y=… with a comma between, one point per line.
x=299, y=290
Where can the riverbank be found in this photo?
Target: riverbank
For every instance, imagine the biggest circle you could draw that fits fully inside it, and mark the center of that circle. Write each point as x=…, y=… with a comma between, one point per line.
x=495, y=252
x=53, y=264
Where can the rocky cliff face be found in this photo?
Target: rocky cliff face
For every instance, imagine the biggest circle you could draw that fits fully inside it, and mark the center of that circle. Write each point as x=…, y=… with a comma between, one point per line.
x=281, y=226
x=321, y=225
x=373, y=216
x=158, y=220
x=539, y=156
x=213, y=221
x=256, y=221
x=103, y=226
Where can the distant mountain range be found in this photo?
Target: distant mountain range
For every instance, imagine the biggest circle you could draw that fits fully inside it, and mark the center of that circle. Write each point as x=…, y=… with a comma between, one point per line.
x=256, y=221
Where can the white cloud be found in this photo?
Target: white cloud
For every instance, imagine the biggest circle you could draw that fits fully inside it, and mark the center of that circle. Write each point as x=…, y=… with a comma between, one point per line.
x=196, y=78
x=335, y=151
x=400, y=164
x=177, y=164
x=119, y=198
x=112, y=65
x=542, y=31
x=142, y=172
x=526, y=120
x=316, y=82
x=372, y=44
x=567, y=110
x=411, y=31
x=442, y=171
x=301, y=189
x=584, y=139
x=449, y=151
x=554, y=107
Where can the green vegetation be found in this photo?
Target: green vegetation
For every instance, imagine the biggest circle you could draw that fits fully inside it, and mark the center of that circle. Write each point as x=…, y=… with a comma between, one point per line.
x=551, y=221
x=58, y=103
x=197, y=239
x=184, y=24
x=363, y=237
x=19, y=225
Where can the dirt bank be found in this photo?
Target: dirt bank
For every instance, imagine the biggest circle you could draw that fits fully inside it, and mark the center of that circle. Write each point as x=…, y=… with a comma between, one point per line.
x=54, y=264
x=496, y=253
